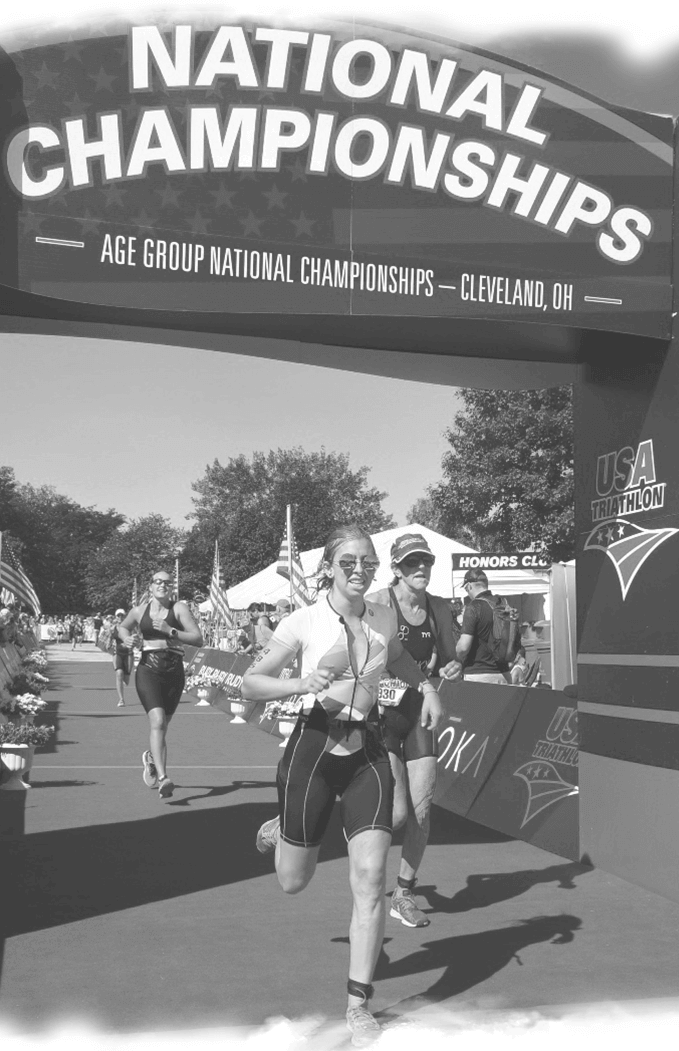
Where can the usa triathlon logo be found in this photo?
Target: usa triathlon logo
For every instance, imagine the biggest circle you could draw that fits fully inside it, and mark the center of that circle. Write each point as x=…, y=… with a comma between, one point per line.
x=627, y=545
x=546, y=786
x=626, y=483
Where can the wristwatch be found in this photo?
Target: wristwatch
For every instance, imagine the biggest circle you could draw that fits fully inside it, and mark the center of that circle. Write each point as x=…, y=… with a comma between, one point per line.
x=173, y=633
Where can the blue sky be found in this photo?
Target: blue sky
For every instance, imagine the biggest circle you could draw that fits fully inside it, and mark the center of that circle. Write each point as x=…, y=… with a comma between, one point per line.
x=130, y=426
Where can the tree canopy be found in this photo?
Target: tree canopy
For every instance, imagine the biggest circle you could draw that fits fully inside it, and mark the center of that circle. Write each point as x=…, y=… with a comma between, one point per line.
x=145, y=546
x=242, y=504
x=508, y=475
x=54, y=537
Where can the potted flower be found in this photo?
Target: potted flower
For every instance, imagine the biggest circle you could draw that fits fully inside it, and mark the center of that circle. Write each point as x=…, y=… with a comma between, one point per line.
x=285, y=711
x=27, y=682
x=23, y=706
x=17, y=745
x=35, y=659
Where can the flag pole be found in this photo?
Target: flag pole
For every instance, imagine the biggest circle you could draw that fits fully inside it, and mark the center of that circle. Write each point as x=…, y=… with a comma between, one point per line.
x=288, y=525
x=176, y=578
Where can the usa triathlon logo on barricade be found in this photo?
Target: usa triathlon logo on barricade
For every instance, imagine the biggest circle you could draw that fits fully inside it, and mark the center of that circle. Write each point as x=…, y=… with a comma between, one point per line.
x=626, y=483
x=545, y=784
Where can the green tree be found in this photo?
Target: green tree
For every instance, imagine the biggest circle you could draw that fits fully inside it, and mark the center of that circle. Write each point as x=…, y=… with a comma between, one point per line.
x=54, y=536
x=137, y=550
x=508, y=476
x=242, y=504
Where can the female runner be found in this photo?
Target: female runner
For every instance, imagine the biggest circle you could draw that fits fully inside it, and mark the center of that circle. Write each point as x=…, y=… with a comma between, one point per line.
x=163, y=625
x=426, y=629
x=336, y=748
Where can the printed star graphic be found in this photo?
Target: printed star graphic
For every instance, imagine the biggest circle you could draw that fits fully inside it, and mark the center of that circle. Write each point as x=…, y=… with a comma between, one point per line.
x=251, y=225
x=297, y=170
x=30, y=223
x=600, y=536
x=143, y=219
x=214, y=89
x=46, y=78
x=223, y=196
x=58, y=200
x=102, y=80
x=71, y=51
x=198, y=224
x=114, y=196
x=621, y=530
x=303, y=226
x=88, y=224
x=610, y=535
x=76, y=106
x=169, y=197
x=275, y=197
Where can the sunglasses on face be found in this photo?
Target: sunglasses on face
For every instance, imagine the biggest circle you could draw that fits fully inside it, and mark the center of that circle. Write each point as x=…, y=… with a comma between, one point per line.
x=413, y=561
x=348, y=565
x=158, y=582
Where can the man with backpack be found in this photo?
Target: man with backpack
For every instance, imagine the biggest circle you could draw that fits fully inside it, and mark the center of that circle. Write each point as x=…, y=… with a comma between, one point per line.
x=490, y=636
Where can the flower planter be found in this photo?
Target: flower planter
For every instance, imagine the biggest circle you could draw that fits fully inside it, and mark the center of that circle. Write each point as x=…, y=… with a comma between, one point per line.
x=238, y=710
x=286, y=726
x=202, y=697
x=16, y=759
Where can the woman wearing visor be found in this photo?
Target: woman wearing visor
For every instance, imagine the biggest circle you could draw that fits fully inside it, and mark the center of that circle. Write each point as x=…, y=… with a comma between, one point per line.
x=163, y=625
x=336, y=748
x=426, y=629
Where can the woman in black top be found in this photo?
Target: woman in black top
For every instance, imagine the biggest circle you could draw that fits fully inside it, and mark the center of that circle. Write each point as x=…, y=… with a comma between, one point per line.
x=163, y=625
x=425, y=628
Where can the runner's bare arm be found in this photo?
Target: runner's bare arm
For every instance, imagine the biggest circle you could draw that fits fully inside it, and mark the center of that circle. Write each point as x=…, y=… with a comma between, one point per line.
x=126, y=628
x=261, y=682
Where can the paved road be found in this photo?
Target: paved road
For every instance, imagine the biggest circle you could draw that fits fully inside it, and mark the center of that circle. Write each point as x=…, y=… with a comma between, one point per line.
x=143, y=915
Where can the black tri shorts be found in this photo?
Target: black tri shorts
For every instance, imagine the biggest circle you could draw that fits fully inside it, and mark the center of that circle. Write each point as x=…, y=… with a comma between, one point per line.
x=403, y=733
x=159, y=680
x=310, y=779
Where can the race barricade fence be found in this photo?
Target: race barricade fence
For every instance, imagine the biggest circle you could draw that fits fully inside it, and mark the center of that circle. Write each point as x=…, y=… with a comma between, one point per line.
x=508, y=755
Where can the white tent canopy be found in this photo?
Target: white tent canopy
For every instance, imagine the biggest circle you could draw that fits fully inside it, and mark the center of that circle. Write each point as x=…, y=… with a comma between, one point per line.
x=268, y=586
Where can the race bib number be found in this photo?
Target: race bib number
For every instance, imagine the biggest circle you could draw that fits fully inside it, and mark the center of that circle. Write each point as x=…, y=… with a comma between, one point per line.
x=391, y=692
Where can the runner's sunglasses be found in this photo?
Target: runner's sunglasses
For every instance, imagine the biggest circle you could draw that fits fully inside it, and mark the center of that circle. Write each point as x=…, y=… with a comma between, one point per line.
x=370, y=565
x=413, y=561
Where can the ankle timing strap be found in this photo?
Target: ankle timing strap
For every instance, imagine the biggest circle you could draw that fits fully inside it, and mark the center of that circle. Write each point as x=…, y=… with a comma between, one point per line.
x=360, y=989
x=406, y=884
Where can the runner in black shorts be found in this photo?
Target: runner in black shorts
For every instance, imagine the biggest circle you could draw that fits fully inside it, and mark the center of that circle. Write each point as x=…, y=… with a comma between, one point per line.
x=337, y=748
x=123, y=659
x=163, y=625
x=425, y=627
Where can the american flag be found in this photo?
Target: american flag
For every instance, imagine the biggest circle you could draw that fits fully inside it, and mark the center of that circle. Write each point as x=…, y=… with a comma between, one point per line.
x=14, y=579
x=220, y=605
x=300, y=591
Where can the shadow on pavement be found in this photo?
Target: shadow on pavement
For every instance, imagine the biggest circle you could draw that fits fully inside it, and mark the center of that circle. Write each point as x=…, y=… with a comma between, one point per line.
x=489, y=889
x=469, y=959
x=59, y=877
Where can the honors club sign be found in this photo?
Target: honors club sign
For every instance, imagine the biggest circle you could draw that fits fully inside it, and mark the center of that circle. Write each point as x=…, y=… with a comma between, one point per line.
x=254, y=168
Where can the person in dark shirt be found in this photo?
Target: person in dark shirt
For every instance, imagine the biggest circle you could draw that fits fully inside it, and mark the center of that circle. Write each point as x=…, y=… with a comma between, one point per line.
x=473, y=649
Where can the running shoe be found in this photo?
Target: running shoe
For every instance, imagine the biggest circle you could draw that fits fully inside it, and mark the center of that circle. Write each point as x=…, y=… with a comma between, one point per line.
x=364, y=1028
x=150, y=774
x=165, y=788
x=403, y=908
x=267, y=837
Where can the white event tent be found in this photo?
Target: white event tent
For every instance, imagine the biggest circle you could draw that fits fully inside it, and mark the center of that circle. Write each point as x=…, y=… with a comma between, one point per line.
x=268, y=586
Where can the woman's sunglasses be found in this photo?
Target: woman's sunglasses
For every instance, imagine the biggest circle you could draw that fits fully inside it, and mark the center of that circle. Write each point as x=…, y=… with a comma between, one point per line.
x=348, y=565
x=413, y=561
